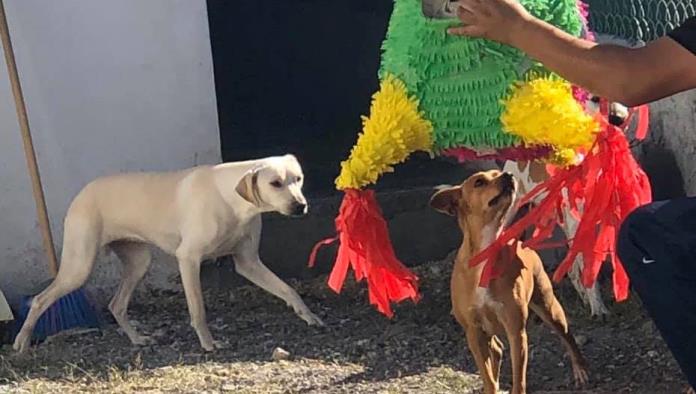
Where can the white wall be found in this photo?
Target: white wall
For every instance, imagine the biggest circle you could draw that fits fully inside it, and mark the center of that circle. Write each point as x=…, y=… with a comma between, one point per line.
x=110, y=85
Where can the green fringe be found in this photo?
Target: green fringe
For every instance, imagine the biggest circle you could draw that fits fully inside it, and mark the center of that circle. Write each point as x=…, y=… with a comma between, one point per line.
x=462, y=82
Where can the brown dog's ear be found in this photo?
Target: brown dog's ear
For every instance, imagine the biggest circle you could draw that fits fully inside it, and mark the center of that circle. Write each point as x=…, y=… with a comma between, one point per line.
x=447, y=200
x=248, y=186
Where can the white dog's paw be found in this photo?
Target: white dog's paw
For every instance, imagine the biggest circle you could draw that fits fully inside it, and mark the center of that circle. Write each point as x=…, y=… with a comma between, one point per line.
x=21, y=343
x=214, y=345
x=597, y=308
x=143, y=340
x=208, y=347
x=309, y=317
x=221, y=345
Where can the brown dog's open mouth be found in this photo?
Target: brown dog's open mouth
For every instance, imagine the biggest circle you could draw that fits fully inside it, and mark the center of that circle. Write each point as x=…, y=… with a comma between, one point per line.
x=506, y=191
x=495, y=200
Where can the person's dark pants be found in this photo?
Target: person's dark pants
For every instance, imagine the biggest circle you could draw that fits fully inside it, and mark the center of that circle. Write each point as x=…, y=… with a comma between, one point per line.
x=657, y=245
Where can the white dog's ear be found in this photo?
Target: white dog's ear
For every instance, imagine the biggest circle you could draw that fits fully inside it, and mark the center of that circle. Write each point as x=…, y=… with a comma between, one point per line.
x=447, y=200
x=248, y=186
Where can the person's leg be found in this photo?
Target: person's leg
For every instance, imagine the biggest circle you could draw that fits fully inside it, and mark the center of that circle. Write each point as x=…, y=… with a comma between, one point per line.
x=657, y=246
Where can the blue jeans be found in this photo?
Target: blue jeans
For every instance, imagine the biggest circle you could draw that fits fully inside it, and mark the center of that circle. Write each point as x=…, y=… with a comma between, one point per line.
x=657, y=245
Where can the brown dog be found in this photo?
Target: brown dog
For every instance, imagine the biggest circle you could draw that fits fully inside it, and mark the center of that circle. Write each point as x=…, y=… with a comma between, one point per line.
x=483, y=205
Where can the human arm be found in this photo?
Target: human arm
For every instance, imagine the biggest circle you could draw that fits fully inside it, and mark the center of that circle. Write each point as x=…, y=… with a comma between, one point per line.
x=630, y=76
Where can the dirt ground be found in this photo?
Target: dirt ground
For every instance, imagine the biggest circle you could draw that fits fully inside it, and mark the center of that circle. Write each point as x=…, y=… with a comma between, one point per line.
x=420, y=351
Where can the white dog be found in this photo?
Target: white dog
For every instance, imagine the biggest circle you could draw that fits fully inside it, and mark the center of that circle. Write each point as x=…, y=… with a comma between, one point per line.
x=196, y=214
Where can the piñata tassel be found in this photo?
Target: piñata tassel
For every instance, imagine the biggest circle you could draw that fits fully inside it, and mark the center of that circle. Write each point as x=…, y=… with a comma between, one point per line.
x=366, y=248
x=609, y=183
x=394, y=130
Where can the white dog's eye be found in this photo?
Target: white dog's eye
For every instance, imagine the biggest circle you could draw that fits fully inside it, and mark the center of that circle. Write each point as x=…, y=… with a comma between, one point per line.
x=277, y=183
x=298, y=179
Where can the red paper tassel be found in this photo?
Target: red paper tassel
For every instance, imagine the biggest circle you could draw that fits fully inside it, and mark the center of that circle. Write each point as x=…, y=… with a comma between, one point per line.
x=609, y=183
x=365, y=246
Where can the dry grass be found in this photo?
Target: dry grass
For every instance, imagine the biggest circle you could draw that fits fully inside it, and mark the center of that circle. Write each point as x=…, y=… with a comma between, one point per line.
x=420, y=351
x=296, y=376
x=242, y=377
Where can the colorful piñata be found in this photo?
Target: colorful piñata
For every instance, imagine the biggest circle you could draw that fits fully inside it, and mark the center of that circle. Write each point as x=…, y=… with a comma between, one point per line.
x=473, y=98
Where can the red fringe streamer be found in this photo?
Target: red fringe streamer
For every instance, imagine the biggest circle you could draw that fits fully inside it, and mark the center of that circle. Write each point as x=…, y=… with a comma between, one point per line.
x=609, y=182
x=365, y=246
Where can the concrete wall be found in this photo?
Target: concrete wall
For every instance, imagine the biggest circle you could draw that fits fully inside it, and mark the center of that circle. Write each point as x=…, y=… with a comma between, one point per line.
x=667, y=155
x=110, y=85
x=673, y=131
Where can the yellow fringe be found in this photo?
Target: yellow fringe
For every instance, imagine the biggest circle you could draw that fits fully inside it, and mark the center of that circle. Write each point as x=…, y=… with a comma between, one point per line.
x=563, y=157
x=544, y=112
x=393, y=131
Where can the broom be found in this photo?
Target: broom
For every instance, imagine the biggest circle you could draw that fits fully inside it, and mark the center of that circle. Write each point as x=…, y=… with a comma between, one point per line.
x=74, y=309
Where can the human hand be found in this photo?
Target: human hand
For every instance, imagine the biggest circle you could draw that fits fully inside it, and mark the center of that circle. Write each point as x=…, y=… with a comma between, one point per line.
x=497, y=20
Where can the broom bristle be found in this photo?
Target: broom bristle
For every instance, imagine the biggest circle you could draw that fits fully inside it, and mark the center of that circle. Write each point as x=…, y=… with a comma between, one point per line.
x=70, y=311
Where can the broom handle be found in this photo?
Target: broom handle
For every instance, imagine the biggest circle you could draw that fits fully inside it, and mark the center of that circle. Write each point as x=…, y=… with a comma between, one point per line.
x=28, y=144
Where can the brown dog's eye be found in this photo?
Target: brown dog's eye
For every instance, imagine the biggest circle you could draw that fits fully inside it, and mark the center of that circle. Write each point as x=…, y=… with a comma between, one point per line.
x=479, y=182
x=277, y=184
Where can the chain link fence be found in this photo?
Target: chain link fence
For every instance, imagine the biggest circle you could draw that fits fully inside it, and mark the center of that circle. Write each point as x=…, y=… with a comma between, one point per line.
x=638, y=20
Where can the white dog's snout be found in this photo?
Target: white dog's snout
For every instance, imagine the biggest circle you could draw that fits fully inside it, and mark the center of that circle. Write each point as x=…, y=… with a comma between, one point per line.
x=298, y=208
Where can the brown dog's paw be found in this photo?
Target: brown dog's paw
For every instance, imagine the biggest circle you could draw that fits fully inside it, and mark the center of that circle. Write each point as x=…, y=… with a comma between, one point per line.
x=580, y=375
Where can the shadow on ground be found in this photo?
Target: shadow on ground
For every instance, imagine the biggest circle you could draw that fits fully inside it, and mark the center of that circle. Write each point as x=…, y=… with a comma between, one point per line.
x=420, y=351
